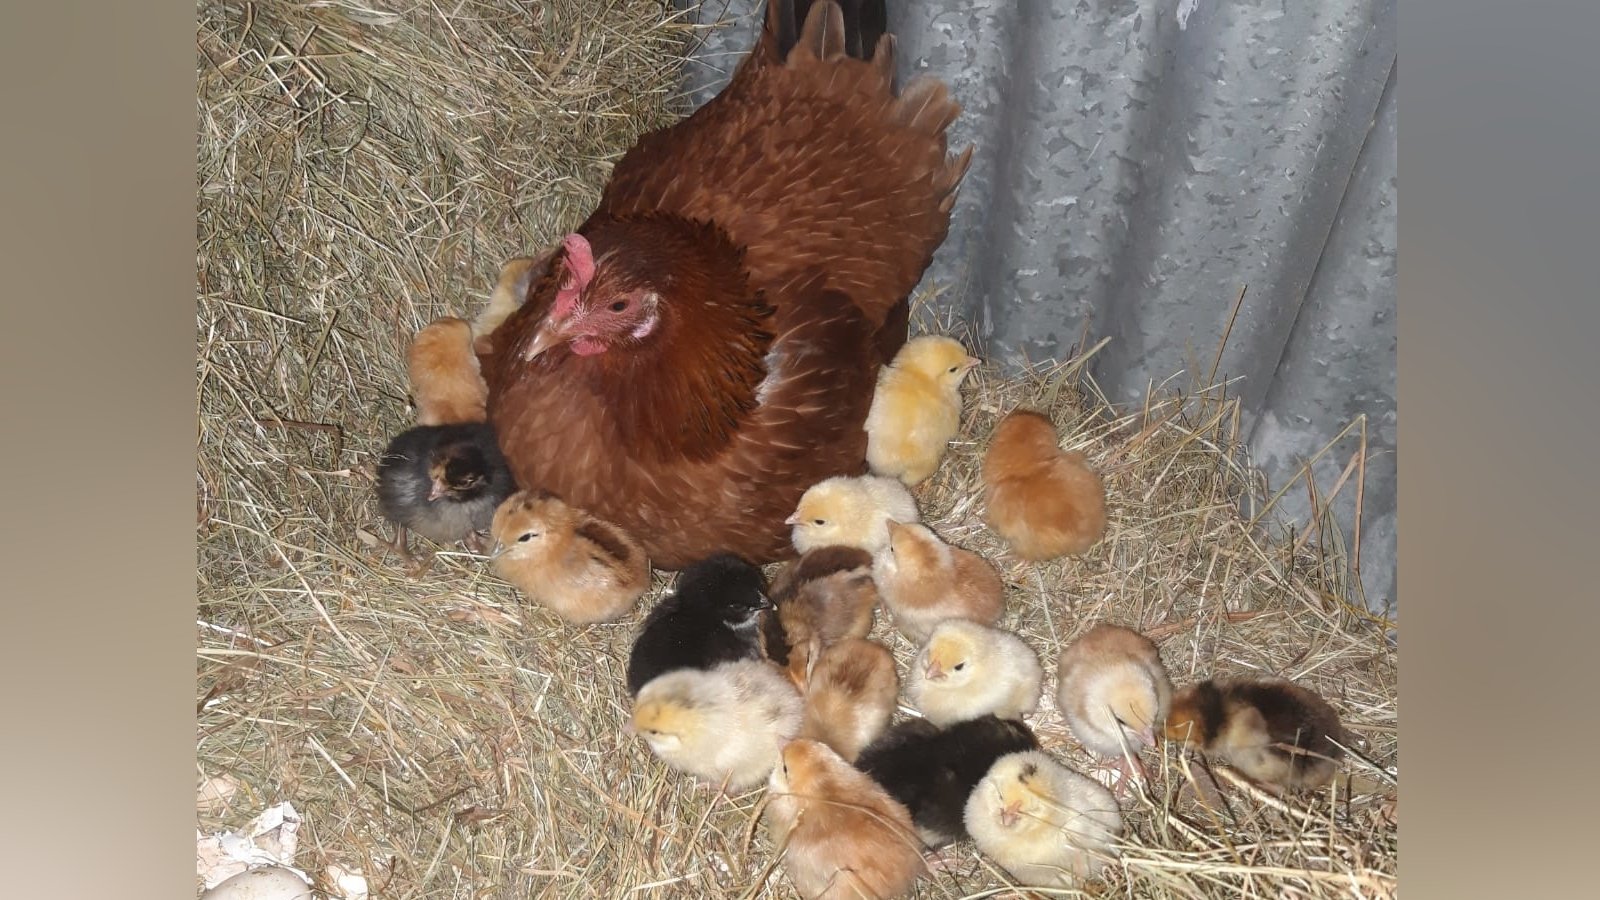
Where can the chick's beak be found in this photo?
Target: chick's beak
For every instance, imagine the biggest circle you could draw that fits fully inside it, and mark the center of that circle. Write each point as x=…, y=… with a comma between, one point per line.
x=438, y=490
x=550, y=334
x=1010, y=813
x=792, y=520
x=973, y=362
x=933, y=672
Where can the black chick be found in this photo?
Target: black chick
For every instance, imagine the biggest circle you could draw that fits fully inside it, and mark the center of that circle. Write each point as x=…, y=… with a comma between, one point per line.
x=933, y=771
x=443, y=482
x=713, y=617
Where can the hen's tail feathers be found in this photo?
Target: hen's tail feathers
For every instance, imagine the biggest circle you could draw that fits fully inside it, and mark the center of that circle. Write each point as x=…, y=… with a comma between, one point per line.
x=853, y=27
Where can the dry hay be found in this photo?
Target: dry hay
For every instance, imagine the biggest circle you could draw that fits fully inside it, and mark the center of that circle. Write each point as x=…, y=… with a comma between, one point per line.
x=361, y=172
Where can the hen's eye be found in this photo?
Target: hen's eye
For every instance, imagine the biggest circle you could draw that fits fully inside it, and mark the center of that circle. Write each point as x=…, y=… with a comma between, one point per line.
x=619, y=306
x=568, y=283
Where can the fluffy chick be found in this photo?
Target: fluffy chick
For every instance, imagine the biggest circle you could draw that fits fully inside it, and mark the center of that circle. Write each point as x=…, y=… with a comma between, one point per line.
x=852, y=511
x=585, y=569
x=517, y=275
x=713, y=617
x=1113, y=690
x=443, y=482
x=1272, y=730
x=933, y=771
x=916, y=408
x=843, y=835
x=1044, y=823
x=825, y=596
x=445, y=381
x=1044, y=501
x=967, y=670
x=850, y=695
x=925, y=581
x=723, y=725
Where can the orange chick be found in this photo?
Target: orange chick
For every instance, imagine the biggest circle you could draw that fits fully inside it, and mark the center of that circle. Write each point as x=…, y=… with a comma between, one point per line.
x=1044, y=823
x=850, y=695
x=1270, y=729
x=842, y=835
x=445, y=381
x=852, y=511
x=1113, y=690
x=916, y=408
x=582, y=568
x=925, y=581
x=1044, y=501
x=723, y=725
x=826, y=595
x=967, y=670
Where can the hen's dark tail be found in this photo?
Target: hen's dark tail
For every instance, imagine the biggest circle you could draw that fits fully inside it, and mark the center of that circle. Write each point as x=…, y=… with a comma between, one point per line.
x=864, y=22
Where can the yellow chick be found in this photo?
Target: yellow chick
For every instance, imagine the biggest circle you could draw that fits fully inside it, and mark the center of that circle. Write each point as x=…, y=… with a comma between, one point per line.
x=517, y=276
x=723, y=725
x=851, y=511
x=1045, y=502
x=967, y=670
x=850, y=695
x=844, y=837
x=1113, y=690
x=584, y=569
x=924, y=581
x=1272, y=730
x=916, y=408
x=445, y=381
x=1044, y=823
x=824, y=596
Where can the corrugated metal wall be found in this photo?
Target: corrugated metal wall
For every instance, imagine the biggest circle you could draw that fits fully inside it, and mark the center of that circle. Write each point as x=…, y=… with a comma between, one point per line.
x=1137, y=163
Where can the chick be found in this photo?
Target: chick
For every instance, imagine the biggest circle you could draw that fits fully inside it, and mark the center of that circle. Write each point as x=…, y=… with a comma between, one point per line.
x=967, y=670
x=933, y=771
x=1044, y=823
x=916, y=408
x=443, y=482
x=1272, y=730
x=925, y=581
x=723, y=725
x=851, y=511
x=713, y=617
x=1043, y=501
x=585, y=569
x=445, y=381
x=842, y=835
x=1113, y=691
x=517, y=275
x=826, y=595
x=850, y=694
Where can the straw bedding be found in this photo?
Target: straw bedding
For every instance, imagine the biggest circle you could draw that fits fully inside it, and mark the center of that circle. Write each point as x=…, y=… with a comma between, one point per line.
x=364, y=168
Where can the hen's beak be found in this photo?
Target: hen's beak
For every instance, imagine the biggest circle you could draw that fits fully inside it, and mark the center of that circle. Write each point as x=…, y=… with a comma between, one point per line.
x=549, y=334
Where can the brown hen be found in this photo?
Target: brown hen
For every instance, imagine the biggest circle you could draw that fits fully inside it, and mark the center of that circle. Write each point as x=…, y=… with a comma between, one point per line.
x=705, y=346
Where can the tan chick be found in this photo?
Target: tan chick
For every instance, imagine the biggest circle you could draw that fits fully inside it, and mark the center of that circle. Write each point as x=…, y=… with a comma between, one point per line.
x=823, y=597
x=850, y=695
x=851, y=511
x=967, y=670
x=916, y=408
x=445, y=381
x=723, y=725
x=1044, y=501
x=843, y=836
x=1272, y=730
x=584, y=569
x=1113, y=691
x=1044, y=823
x=924, y=581
x=517, y=275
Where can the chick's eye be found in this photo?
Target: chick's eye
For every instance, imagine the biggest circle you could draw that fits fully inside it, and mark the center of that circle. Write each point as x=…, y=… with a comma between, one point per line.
x=953, y=370
x=960, y=666
x=619, y=306
x=527, y=537
x=819, y=521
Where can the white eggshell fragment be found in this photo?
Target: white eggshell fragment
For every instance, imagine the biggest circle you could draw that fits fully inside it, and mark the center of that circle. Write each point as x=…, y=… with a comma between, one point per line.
x=265, y=883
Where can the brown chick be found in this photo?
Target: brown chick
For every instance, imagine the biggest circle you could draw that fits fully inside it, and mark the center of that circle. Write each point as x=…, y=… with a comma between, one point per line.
x=1113, y=690
x=583, y=569
x=723, y=725
x=1272, y=730
x=1045, y=502
x=445, y=381
x=826, y=595
x=916, y=408
x=924, y=581
x=850, y=695
x=1041, y=821
x=842, y=835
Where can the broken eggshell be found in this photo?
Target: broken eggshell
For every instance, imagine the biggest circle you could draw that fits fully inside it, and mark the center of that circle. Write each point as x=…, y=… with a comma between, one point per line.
x=265, y=883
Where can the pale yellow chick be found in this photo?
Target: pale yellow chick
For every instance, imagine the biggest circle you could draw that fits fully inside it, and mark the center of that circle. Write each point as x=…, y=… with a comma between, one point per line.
x=517, y=276
x=850, y=695
x=723, y=725
x=851, y=512
x=844, y=837
x=1044, y=823
x=916, y=408
x=584, y=569
x=1114, y=691
x=445, y=381
x=967, y=670
x=924, y=581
